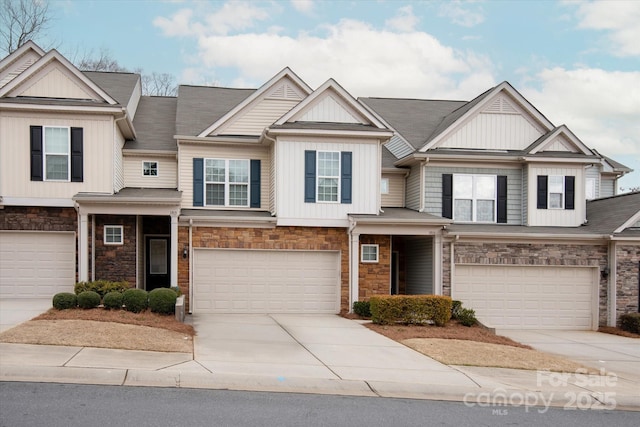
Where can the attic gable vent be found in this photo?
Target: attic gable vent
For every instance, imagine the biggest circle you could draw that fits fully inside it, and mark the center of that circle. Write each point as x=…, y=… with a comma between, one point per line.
x=15, y=73
x=285, y=91
x=501, y=105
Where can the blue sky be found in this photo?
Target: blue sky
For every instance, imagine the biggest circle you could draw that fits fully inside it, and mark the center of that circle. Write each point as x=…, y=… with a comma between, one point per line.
x=577, y=62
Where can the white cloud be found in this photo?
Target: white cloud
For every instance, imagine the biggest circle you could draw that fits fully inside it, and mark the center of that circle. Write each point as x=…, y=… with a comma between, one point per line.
x=404, y=21
x=621, y=20
x=304, y=6
x=462, y=13
x=600, y=107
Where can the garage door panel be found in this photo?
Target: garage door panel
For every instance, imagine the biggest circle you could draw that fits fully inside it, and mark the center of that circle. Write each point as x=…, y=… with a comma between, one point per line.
x=263, y=281
x=528, y=296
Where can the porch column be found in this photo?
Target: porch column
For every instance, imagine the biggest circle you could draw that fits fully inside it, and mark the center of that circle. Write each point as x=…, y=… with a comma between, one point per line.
x=612, y=285
x=83, y=248
x=353, y=269
x=174, y=249
x=437, y=264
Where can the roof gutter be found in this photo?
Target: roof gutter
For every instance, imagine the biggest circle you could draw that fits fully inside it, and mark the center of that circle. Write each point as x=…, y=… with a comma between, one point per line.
x=537, y=236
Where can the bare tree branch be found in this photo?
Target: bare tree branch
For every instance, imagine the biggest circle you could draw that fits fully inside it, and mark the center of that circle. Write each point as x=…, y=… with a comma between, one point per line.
x=21, y=21
x=159, y=84
x=102, y=62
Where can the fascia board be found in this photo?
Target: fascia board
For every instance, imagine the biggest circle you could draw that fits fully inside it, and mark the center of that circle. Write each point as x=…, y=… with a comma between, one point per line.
x=327, y=132
x=628, y=223
x=258, y=93
x=563, y=130
x=105, y=109
x=10, y=59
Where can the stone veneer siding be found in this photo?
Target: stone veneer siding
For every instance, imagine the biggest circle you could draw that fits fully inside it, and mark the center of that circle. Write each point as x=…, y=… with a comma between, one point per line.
x=628, y=276
x=279, y=238
x=116, y=262
x=374, y=278
x=38, y=219
x=530, y=254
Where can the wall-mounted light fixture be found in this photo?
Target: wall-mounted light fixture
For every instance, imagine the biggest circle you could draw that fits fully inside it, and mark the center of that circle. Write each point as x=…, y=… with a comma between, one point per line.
x=604, y=273
x=185, y=252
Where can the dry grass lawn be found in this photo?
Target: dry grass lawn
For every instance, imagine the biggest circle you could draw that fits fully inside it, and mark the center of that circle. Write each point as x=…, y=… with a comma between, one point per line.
x=105, y=329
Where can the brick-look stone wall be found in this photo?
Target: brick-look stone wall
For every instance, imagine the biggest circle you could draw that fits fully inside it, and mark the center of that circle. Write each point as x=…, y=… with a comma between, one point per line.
x=283, y=238
x=446, y=269
x=374, y=278
x=38, y=219
x=628, y=258
x=116, y=262
x=537, y=254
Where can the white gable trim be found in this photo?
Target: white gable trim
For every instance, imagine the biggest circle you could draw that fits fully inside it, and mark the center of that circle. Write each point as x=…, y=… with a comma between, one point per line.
x=16, y=54
x=343, y=94
x=628, y=223
x=561, y=130
x=265, y=88
x=53, y=55
x=485, y=103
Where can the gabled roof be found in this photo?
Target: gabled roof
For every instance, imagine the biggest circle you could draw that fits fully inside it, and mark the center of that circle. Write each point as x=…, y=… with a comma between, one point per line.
x=285, y=73
x=54, y=56
x=18, y=53
x=613, y=214
x=155, y=124
x=119, y=85
x=199, y=106
x=613, y=166
x=542, y=144
x=331, y=87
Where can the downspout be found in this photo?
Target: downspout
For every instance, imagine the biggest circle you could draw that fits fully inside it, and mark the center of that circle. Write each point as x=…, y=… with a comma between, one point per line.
x=190, y=266
x=612, y=319
x=423, y=163
x=93, y=249
x=275, y=186
x=352, y=226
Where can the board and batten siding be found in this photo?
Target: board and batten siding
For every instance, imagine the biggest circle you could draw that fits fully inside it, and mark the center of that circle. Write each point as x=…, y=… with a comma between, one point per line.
x=253, y=122
x=15, y=155
x=290, y=204
x=419, y=265
x=167, y=172
x=330, y=110
x=412, y=198
x=190, y=151
x=489, y=131
x=395, y=198
x=55, y=82
x=557, y=217
x=433, y=188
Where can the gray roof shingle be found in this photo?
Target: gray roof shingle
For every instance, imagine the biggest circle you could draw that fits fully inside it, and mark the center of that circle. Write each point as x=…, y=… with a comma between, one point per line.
x=609, y=213
x=118, y=85
x=155, y=124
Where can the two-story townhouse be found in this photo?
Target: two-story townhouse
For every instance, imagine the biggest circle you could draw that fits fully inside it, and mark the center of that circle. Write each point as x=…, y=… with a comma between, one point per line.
x=289, y=199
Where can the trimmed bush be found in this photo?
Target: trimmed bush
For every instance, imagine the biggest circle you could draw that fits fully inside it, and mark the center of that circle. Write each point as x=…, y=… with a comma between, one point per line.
x=65, y=300
x=410, y=309
x=455, y=308
x=163, y=301
x=88, y=299
x=467, y=316
x=630, y=322
x=362, y=308
x=176, y=290
x=135, y=300
x=102, y=287
x=112, y=300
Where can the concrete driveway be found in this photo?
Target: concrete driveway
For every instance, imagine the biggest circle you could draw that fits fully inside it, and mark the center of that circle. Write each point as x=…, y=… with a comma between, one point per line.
x=617, y=355
x=14, y=311
x=311, y=346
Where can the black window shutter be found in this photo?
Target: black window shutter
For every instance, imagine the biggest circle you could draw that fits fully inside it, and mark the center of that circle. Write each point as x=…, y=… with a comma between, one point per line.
x=502, y=199
x=36, y=153
x=309, y=176
x=447, y=195
x=255, y=183
x=76, y=155
x=569, y=192
x=345, y=177
x=198, y=182
x=542, y=191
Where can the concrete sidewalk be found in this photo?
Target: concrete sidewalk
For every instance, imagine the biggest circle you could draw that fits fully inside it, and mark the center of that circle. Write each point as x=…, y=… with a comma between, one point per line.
x=301, y=355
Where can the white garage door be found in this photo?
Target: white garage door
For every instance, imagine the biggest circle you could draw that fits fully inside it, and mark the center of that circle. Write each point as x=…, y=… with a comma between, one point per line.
x=36, y=264
x=261, y=281
x=516, y=297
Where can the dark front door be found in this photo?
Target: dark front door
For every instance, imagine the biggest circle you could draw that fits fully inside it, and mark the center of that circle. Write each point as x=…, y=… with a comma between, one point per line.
x=157, y=266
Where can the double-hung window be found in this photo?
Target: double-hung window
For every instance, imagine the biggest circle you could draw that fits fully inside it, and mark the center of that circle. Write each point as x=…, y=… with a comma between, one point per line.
x=328, y=176
x=57, y=151
x=226, y=182
x=474, y=198
x=556, y=192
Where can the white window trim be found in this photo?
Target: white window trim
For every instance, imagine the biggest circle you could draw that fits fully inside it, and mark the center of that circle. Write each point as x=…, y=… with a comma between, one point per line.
x=377, y=247
x=384, y=186
x=45, y=154
x=474, y=200
x=562, y=194
x=157, y=169
x=104, y=235
x=339, y=177
x=227, y=183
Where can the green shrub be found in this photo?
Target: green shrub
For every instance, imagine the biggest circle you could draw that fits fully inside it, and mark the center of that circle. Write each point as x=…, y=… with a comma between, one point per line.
x=362, y=308
x=65, y=300
x=630, y=322
x=135, y=300
x=177, y=290
x=455, y=308
x=163, y=301
x=410, y=309
x=88, y=299
x=102, y=287
x=112, y=300
x=467, y=316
